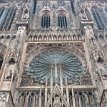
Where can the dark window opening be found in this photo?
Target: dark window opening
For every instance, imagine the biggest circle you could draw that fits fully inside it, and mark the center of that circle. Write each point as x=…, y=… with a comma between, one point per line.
x=45, y=21
x=12, y=61
x=1, y=61
x=100, y=60
x=97, y=17
x=62, y=21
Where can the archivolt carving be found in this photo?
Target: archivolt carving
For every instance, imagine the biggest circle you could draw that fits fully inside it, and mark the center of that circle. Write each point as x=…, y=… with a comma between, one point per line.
x=62, y=10
x=86, y=79
x=35, y=49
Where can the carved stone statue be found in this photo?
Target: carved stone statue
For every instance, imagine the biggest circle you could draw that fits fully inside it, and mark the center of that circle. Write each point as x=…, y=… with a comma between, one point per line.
x=57, y=102
x=8, y=75
x=3, y=96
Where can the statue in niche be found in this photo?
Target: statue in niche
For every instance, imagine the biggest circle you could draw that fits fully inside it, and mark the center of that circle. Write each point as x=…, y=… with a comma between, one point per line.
x=100, y=59
x=56, y=102
x=65, y=96
x=8, y=75
x=26, y=16
x=3, y=96
x=103, y=74
x=49, y=96
x=90, y=31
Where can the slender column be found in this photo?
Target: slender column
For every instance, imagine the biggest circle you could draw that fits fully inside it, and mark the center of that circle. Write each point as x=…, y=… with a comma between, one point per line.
x=40, y=98
x=51, y=84
x=22, y=101
x=61, y=21
x=56, y=73
x=80, y=101
x=49, y=21
x=89, y=97
x=34, y=101
x=71, y=101
x=26, y=101
x=30, y=101
x=76, y=99
x=46, y=92
x=73, y=98
x=46, y=21
x=65, y=22
x=67, y=91
x=51, y=80
x=86, y=100
x=43, y=21
x=37, y=101
x=61, y=81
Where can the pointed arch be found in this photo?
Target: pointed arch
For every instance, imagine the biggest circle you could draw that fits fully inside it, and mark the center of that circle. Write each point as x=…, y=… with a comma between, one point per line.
x=56, y=93
x=45, y=21
x=62, y=16
x=46, y=17
x=62, y=10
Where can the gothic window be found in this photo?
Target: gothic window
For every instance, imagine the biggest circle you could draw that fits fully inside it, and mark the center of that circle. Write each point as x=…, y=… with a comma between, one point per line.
x=51, y=61
x=45, y=21
x=62, y=21
x=96, y=14
x=1, y=60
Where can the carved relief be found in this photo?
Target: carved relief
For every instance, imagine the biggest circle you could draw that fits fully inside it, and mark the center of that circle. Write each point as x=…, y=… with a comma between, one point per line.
x=4, y=96
x=8, y=75
x=86, y=79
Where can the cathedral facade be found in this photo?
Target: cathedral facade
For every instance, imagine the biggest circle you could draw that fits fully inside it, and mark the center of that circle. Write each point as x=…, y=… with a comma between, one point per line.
x=53, y=53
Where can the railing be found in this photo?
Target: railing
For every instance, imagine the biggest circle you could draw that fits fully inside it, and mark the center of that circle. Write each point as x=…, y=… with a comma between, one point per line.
x=39, y=38
x=55, y=35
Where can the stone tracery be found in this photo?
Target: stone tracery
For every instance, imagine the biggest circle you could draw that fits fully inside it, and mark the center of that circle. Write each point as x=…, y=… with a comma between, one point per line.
x=42, y=64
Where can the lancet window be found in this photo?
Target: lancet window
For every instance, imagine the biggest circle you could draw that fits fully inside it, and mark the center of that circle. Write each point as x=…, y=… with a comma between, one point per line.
x=62, y=21
x=45, y=21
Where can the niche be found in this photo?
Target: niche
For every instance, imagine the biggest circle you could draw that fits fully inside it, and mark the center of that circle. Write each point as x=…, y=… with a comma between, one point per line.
x=11, y=61
x=100, y=60
x=1, y=61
